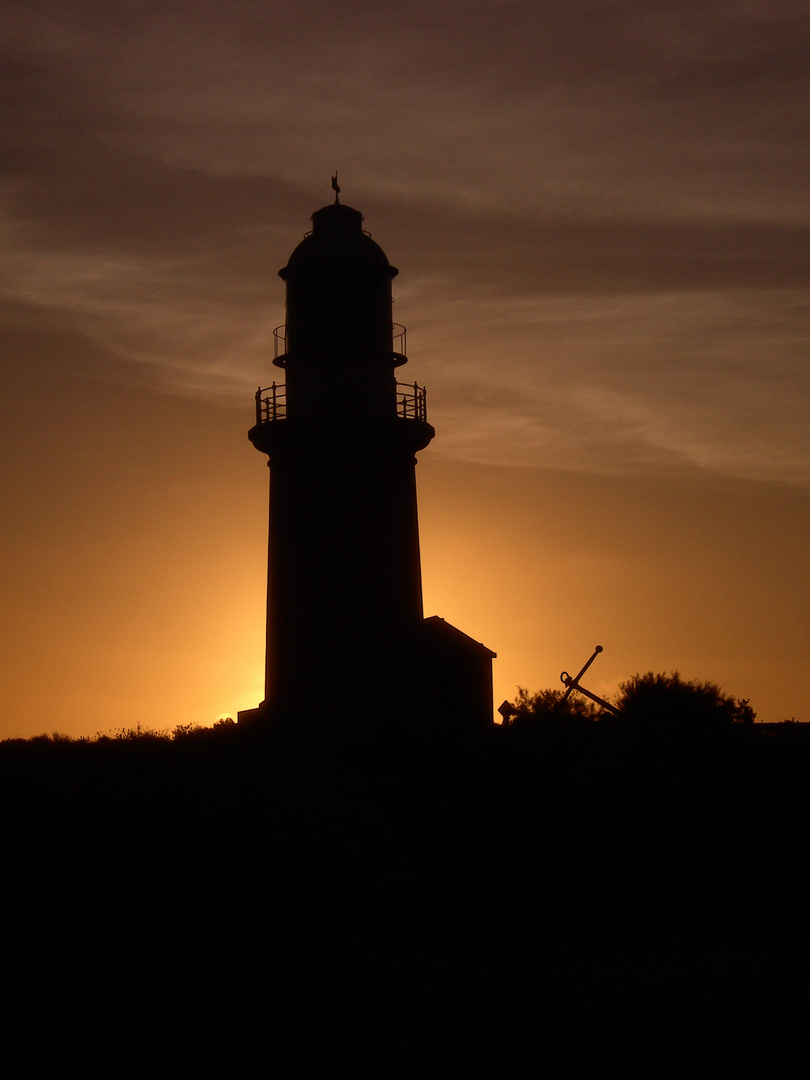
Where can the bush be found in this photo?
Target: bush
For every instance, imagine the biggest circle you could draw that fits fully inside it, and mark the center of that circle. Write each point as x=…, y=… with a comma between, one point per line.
x=670, y=702
x=550, y=707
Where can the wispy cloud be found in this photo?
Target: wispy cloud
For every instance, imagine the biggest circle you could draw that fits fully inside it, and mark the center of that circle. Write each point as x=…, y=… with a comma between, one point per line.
x=599, y=208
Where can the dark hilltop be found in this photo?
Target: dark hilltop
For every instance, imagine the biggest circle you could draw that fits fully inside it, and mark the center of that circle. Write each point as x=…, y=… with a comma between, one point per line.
x=560, y=893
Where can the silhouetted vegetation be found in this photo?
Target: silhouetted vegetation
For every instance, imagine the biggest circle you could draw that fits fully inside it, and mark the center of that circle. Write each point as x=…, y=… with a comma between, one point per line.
x=668, y=701
x=651, y=703
x=570, y=890
x=549, y=707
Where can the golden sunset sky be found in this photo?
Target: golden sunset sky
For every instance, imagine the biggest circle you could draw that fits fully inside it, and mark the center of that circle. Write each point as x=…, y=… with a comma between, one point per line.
x=599, y=212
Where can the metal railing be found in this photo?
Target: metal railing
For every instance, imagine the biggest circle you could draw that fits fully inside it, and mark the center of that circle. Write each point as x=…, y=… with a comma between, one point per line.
x=273, y=406
x=279, y=341
x=412, y=402
x=399, y=334
x=400, y=344
x=271, y=402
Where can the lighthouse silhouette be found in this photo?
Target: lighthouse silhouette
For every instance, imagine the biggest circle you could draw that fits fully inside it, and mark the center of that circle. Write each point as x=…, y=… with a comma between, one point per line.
x=346, y=633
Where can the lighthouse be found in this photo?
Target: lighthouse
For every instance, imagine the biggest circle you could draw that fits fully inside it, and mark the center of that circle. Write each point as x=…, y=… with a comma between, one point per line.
x=346, y=631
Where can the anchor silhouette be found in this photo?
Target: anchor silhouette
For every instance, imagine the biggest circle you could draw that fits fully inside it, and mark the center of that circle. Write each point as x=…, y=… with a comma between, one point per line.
x=573, y=684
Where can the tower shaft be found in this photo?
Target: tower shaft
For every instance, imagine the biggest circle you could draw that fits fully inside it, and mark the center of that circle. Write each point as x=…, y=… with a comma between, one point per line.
x=344, y=601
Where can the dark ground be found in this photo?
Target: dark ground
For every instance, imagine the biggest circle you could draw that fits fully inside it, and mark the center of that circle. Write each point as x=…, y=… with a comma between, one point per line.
x=535, y=902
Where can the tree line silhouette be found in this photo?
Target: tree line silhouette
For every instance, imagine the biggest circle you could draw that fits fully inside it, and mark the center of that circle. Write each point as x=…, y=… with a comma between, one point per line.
x=558, y=892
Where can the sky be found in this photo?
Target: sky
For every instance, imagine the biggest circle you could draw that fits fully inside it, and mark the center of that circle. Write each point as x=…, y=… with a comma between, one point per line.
x=599, y=213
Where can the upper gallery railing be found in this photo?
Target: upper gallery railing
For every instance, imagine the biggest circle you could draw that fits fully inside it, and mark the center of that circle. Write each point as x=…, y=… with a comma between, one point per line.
x=399, y=340
x=271, y=403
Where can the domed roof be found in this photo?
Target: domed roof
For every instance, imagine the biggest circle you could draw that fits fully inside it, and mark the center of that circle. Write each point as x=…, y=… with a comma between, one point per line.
x=337, y=237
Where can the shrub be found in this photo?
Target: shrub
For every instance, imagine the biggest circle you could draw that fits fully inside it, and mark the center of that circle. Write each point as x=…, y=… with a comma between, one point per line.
x=550, y=706
x=670, y=702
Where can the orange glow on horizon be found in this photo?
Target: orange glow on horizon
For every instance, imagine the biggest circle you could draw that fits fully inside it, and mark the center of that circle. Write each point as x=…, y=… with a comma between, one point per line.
x=612, y=330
